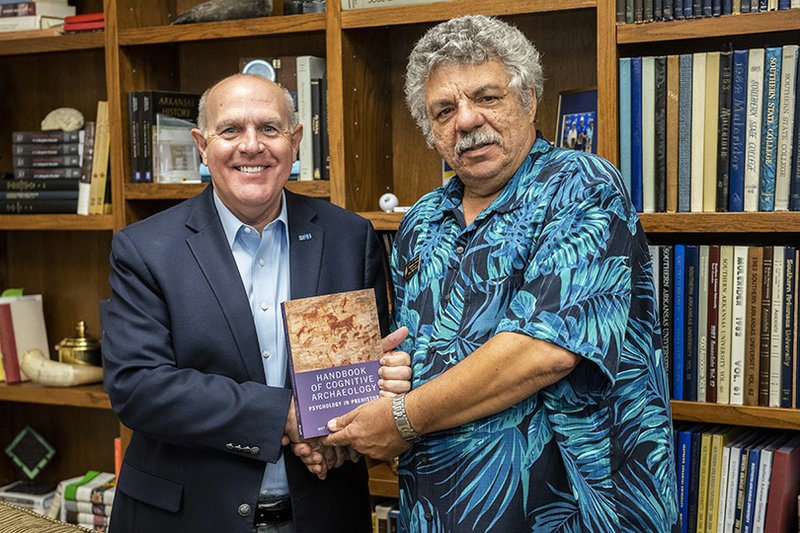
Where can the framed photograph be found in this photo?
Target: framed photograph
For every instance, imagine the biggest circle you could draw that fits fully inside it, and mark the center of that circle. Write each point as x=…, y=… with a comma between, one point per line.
x=576, y=127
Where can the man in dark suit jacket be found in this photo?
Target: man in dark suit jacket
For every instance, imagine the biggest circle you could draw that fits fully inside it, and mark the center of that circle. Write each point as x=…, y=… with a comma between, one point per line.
x=184, y=363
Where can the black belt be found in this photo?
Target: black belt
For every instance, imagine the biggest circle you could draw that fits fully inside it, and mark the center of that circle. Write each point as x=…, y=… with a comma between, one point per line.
x=272, y=512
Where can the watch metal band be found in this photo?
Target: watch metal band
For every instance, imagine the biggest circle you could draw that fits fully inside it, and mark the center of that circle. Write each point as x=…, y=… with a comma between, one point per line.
x=401, y=420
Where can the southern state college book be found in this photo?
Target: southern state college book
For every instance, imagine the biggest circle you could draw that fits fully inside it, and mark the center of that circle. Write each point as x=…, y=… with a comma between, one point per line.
x=334, y=347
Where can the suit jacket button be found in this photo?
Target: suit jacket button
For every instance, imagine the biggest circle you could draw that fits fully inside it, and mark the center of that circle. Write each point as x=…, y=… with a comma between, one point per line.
x=254, y=450
x=244, y=509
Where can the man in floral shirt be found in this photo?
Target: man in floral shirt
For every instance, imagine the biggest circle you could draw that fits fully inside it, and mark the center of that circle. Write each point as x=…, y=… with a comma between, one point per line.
x=539, y=398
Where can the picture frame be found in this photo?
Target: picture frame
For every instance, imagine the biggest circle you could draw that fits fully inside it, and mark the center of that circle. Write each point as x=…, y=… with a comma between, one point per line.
x=576, y=125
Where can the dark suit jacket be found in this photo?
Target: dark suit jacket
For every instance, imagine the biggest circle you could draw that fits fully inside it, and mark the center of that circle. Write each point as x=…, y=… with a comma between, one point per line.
x=183, y=370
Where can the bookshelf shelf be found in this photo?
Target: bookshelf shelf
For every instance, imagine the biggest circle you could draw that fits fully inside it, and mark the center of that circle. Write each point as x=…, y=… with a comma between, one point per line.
x=709, y=27
x=738, y=415
x=382, y=481
x=57, y=222
x=229, y=29
x=51, y=43
x=92, y=396
x=785, y=222
x=181, y=191
x=412, y=14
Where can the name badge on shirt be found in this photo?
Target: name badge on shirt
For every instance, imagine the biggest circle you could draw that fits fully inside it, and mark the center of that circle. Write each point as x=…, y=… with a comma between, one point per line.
x=411, y=268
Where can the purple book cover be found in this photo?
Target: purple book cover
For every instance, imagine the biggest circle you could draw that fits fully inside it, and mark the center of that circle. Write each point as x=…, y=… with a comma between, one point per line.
x=334, y=345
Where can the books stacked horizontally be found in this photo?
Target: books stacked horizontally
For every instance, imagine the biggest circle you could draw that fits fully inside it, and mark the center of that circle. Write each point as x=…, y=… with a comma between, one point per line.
x=85, y=500
x=711, y=131
x=28, y=495
x=47, y=170
x=85, y=22
x=41, y=14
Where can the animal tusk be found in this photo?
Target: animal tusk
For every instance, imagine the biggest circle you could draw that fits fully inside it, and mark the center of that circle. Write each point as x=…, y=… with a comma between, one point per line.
x=56, y=374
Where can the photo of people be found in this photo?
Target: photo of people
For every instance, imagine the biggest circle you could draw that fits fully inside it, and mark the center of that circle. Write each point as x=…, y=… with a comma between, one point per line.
x=578, y=131
x=577, y=120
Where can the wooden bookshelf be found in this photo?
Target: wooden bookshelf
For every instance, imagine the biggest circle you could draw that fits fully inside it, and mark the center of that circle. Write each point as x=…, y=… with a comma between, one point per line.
x=374, y=145
x=92, y=396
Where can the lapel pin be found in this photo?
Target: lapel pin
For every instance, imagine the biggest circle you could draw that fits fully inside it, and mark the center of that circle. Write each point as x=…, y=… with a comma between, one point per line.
x=304, y=237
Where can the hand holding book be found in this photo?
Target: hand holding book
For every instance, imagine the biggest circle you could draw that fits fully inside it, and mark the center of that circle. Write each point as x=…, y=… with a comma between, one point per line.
x=395, y=374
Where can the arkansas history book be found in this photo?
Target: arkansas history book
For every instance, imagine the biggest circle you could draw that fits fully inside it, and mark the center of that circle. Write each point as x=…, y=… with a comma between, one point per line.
x=334, y=348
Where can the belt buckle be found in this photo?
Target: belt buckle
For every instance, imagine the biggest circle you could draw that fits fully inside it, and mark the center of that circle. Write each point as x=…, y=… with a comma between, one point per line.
x=273, y=512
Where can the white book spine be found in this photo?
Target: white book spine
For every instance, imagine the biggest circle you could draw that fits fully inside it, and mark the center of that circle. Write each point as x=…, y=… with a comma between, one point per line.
x=308, y=68
x=776, y=326
x=762, y=492
x=752, y=152
x=724, y=324
x=738, y=315
x=648, y=134
x=783, y=171
x=730, y=492
x=723, y=490
x=702, y=322
x=698, y=130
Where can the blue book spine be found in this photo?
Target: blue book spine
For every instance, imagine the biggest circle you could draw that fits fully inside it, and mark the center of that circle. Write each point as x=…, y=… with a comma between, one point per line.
x=684, y=450
x=694, y=477
x=789, y=303
x=727, y=7
x=769, y=128
x=794, y=189
x=716, y=8
x=745, y=7
x=784, y=4
x=688, y=8
x=636, y=133
x=684, y=132
x=738, y=120
x=625, y=121
x=748, y=513
x=691, y=291
x=706, y=9
x=678, y=310
x=658, y=10
x=763, y=5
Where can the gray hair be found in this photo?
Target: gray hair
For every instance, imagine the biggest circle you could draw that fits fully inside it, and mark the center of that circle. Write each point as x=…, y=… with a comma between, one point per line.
x=202, y=123
x=472, y=40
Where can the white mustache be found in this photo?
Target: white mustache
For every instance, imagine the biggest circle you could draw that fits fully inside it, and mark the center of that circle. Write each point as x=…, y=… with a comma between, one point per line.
x=476, y=138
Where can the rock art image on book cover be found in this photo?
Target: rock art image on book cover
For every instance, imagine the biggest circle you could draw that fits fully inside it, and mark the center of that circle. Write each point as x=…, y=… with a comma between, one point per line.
x=334, y=344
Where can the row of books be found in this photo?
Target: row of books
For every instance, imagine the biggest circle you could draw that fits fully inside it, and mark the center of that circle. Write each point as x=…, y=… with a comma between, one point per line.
x=729, y=323
x=305, y=79
x=635, y=11
x=161, y=145
x=734, y=479
x=711, y=131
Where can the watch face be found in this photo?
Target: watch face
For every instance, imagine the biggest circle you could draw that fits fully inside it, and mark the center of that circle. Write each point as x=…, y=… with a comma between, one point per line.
x=260, y=68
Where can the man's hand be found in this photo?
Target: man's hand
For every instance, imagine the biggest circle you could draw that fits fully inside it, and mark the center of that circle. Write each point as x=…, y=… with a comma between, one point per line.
x=320, y=457
x=370, y=429
x=395, y=370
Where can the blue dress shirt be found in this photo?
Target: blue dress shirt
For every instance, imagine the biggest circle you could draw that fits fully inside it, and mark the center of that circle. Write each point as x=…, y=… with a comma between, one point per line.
x=263, y=263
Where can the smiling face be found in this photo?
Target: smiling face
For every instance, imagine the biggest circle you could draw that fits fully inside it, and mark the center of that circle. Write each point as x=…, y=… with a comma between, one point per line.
x=478, y=124
x=249, y=146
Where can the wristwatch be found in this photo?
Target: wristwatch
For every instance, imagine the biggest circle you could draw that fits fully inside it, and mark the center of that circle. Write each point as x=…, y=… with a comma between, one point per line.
x=401, y=420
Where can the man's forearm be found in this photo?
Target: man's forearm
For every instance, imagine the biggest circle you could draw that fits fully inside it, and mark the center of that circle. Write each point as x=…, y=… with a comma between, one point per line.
x=507, y=369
